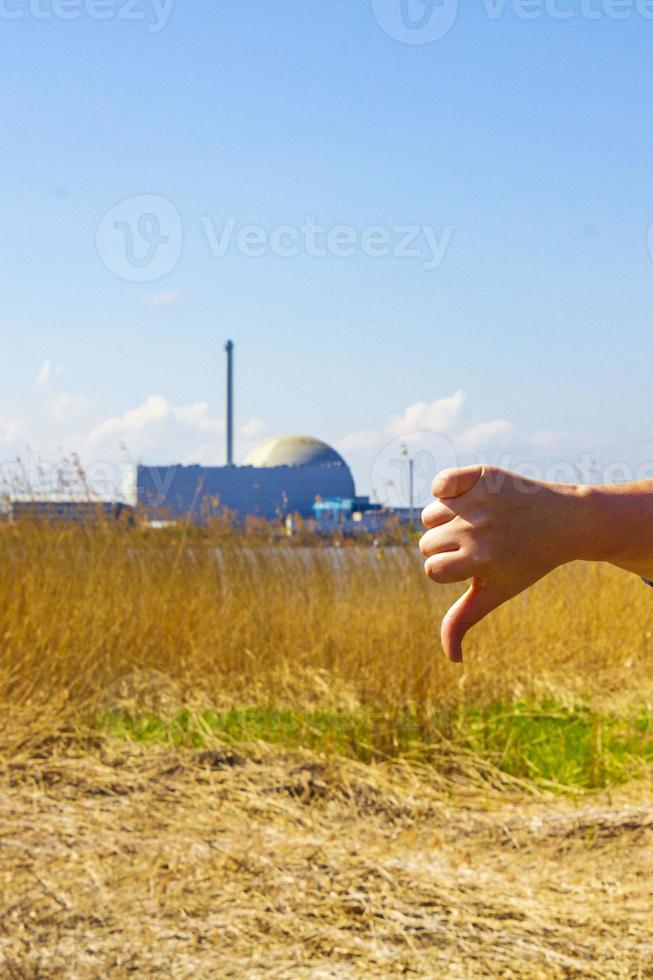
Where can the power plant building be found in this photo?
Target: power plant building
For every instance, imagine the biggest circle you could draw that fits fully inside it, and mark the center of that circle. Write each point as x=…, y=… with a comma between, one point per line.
x=281, y=476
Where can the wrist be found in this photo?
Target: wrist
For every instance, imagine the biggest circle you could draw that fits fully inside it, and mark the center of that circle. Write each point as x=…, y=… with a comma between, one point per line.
x=615, y=523
x=576, y=520
x=592, y=530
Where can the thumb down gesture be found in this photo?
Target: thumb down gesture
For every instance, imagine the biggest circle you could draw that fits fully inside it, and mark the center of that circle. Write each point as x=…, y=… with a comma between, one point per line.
x=499, y=529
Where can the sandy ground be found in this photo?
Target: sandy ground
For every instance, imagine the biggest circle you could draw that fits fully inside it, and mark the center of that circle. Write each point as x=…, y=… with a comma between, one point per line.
x=120, y=862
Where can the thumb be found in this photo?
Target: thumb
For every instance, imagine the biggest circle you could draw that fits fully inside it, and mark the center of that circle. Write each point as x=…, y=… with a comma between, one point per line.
x=456, y=482
x=477, y=602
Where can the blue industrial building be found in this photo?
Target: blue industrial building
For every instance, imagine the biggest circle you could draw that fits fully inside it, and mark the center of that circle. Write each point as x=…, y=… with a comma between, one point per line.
x=280, y=477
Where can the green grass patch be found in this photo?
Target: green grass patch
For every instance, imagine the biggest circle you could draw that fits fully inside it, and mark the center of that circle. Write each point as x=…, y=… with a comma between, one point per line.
x=569, y=746
x=573, y=747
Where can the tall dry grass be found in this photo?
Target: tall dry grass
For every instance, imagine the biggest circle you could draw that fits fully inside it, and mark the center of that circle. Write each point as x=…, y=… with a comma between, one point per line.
x=122, y=860
x=218, y=619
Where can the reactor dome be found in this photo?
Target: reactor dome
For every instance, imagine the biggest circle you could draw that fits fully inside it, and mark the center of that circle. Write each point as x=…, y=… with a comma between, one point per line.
x=303, y=451
x=294, y=451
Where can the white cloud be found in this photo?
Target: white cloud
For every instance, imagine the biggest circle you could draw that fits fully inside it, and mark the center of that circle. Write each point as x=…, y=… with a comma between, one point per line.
x=444, y=416
x=159, y=432
x=468, y=437
x=438, y=416
x=167, y=297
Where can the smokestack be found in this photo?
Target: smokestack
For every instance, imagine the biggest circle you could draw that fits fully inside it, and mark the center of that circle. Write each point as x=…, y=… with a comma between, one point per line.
x=229, y=347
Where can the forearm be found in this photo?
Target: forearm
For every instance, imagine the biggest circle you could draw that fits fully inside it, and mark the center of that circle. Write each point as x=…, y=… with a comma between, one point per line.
x=615, y=524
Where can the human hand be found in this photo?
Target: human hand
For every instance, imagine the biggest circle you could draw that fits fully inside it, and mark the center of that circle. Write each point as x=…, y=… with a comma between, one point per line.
x=500, y=529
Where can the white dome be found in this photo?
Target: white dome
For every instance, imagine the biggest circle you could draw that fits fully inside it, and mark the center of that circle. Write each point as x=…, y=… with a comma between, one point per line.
x=294, y=451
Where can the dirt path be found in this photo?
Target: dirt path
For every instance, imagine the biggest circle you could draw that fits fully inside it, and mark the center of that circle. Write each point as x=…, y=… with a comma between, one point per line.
x=154, y=864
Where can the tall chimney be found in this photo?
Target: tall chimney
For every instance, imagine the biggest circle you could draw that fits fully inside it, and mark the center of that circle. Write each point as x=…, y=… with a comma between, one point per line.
x=229, y=347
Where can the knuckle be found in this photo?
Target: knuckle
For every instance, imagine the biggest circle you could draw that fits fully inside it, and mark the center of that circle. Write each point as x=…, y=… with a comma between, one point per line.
x=440, y=570
x=434, y=572
x=474, y=553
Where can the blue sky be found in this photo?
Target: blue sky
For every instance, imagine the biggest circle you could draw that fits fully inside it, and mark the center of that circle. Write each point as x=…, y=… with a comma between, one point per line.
x=524, y=145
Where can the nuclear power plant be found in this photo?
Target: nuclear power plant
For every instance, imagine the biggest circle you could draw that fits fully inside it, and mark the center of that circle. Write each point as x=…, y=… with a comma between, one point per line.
x=294, y=474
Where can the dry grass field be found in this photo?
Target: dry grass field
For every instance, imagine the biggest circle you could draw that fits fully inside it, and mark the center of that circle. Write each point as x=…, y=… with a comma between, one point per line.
x=227, y=756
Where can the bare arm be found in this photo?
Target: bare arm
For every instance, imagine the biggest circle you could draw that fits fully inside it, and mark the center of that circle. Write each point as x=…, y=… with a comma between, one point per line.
x=505, y=532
